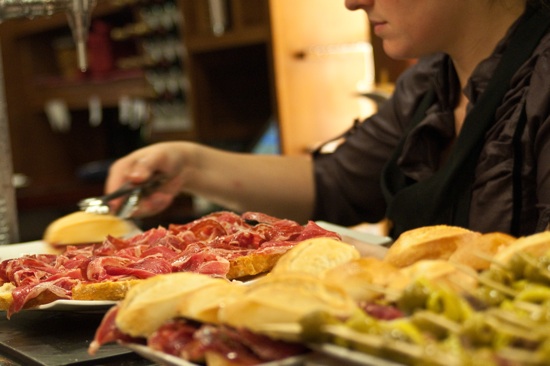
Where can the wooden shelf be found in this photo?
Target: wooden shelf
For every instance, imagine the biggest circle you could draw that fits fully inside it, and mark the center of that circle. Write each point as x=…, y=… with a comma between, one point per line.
x=77, y=93
x=206, y=43
x=24, y=27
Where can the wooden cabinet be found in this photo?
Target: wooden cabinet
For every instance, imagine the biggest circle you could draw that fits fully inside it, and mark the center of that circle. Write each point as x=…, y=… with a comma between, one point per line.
x=322, y=60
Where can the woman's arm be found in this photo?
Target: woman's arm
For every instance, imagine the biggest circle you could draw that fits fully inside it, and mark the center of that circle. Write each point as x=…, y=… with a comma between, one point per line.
x=278, y=185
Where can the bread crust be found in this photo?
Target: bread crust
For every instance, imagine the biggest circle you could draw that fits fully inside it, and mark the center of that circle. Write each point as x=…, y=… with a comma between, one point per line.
x=487, y=245
x=429, y=242
x=284, y=298
x=108, y=290
x=358, y=277
x=84, y=228
x=6, y=297
x=535, y=245
x=316, y=256
x=157, y=299
x=252, y=264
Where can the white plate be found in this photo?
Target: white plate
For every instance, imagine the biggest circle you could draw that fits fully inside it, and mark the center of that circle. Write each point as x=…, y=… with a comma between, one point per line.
x=77, y=305
x=10, y=251
x=356, y=235
x=168, y=360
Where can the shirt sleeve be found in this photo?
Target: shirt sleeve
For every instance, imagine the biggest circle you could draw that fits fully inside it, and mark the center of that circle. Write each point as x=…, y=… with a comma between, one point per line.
x=538, y=109
x=347, y=180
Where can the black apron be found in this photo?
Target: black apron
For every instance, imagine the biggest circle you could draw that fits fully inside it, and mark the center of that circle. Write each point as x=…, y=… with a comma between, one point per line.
x=445, y=197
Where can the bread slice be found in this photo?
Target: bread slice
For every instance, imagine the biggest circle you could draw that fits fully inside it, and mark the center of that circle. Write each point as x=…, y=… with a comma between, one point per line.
x=6, y=297
x=203, y=303
x=438, y=271
x=474, y=253
x=157, y=299
x=252, y=264
x=84, y=228
x=364, y=279
x=536, y=245
x=108, y=290
x=429, y=242
x=315, y=256
x=284, y=299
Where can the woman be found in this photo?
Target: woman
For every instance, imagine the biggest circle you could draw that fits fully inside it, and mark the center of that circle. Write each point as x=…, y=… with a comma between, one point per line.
x=464, y=140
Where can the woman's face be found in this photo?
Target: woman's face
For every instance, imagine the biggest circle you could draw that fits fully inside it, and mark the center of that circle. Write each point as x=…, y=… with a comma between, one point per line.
x=413, y=28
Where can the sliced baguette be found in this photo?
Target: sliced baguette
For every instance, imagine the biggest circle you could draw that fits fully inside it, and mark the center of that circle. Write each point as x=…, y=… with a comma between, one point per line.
x=203, y=303
x=284, y=299
x=157, y=299
x=315, y=256
x=252, y=264
x=84, y=228
x=429, y=242
x=474, y=253
x=108, y=290
x=536, y=245
x=6, y=297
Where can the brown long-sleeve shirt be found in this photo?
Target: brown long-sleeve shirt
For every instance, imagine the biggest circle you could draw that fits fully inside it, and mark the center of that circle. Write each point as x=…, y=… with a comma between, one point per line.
x=347, y=181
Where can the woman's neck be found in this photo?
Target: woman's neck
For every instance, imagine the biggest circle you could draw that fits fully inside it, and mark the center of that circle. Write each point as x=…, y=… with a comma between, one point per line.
x=479, y=38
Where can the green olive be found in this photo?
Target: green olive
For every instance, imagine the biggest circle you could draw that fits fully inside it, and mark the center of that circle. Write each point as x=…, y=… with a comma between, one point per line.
x=414, y=296
x=538, y=273
x=499, y=275
x=476, y=332
x=516, y=265
x=489, y=296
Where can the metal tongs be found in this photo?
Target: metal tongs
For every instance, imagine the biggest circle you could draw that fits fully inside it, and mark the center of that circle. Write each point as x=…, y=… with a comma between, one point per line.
x=133, y=193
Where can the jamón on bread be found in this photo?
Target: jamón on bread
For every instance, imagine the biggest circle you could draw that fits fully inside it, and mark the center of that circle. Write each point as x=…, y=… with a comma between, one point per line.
x=221, y=244
x=429, y=242
x=83, y=228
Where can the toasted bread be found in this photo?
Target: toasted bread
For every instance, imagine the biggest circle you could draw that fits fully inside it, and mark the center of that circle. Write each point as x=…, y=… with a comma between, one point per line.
x=535, y=244
x=203, y=303
x=315, y=256
x=107, y=290
x=429, y=242
x=84, y=228
x=438, y=271
x=284, y=299
x=6, y=297
x=475, y=253
x=157, y=299
x=363, y=278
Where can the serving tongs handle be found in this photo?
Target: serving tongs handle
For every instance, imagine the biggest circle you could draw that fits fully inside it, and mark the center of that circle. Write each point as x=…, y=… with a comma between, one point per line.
x=99, y=205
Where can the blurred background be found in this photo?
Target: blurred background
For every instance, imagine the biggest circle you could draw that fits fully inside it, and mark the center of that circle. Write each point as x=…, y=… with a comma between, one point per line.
x=262, y=76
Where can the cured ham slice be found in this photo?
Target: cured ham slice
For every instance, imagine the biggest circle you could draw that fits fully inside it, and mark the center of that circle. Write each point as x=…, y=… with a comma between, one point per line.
x=221, y=244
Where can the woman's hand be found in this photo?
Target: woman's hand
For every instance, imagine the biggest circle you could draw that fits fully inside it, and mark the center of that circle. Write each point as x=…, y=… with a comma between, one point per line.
x=167, y=159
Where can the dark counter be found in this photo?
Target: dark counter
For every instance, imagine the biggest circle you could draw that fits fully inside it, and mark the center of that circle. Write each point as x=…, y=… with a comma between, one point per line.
x=49, y=338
